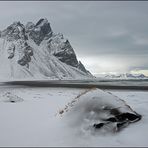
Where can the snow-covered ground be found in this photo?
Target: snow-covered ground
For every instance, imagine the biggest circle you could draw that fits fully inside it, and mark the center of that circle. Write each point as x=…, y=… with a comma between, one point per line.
x=34, y=117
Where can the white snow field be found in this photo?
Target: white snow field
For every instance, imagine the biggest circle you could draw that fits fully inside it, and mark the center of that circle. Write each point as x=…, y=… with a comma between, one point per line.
x=63, y=117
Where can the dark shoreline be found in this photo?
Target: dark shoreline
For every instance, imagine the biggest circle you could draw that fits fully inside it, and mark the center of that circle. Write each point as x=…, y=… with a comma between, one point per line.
x=74, y=84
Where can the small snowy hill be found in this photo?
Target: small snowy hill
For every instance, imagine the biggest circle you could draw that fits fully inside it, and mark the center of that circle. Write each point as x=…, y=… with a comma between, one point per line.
x=34, y=51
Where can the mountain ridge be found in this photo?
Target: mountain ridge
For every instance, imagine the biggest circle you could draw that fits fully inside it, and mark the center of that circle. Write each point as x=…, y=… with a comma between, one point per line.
x=126, y=76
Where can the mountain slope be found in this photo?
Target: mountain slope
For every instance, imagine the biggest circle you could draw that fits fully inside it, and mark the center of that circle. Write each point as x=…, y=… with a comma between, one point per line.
x=34, y=51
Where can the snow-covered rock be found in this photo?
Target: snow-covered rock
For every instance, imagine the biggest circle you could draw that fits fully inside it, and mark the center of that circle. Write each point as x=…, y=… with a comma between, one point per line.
x=34, y=51
x=96, y=111
x=9, y=97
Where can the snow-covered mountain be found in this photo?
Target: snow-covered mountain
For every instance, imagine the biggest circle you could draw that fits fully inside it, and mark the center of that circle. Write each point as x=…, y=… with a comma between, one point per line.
x=126, y=76
x=35, y=51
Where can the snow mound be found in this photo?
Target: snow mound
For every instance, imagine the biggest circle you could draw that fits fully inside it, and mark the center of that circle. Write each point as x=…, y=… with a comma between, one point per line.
x=9, y=97
x=96, y=111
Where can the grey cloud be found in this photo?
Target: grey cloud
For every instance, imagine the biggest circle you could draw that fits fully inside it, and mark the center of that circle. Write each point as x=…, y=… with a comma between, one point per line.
x=114, y=29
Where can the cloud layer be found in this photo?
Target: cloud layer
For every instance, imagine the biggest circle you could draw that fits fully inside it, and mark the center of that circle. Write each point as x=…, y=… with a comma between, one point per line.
x=107, y=36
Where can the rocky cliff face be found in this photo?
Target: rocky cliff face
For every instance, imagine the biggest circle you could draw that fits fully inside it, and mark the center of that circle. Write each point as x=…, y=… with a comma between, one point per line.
x=40, y=31
x=35, y=50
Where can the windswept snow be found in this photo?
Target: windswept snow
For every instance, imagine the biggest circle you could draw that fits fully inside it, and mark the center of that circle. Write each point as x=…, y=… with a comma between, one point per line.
x=36, y=121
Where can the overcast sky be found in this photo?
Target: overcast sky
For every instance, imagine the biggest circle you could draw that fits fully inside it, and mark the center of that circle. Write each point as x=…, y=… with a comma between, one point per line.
x=106, y=36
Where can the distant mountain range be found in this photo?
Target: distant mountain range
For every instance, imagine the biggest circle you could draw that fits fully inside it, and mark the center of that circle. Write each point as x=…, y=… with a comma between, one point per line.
x=123, y=76
x=35, y=51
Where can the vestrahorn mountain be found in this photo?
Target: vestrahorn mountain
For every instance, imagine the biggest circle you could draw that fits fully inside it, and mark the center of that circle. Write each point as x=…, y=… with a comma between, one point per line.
x=35, y=51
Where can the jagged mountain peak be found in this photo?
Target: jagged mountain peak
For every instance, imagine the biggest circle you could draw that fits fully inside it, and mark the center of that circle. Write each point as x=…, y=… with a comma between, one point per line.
x=17, y=23
x=42, y=21
x=35, y=50
x=29, y=26
x=40, y=31
x=14, y=32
